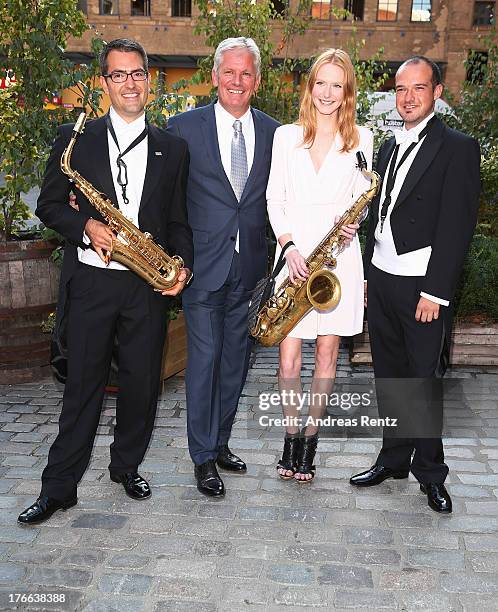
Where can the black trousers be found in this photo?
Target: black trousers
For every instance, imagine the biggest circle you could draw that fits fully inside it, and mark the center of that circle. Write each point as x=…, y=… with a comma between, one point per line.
x=406, y=357
x=104, y=304
x=218, y=357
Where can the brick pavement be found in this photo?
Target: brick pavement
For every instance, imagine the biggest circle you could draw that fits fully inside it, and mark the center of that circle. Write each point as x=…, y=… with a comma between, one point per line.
x=269, y=545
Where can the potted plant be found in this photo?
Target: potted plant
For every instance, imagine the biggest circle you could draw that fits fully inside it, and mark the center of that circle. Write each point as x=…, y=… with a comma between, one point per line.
x=32, y=39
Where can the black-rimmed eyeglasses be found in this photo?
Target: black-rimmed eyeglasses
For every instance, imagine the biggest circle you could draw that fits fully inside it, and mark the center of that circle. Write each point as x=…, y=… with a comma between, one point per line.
x=120, y=76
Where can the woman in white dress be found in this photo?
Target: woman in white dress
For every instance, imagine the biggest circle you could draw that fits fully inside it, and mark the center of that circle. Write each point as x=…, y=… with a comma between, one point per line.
x=313, y=180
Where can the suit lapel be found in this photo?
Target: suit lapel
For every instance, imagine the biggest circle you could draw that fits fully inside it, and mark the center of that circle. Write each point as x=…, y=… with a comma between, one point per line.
x=101, y=162
x=387, y=151
x=210, y=135
x=155, y=163
x=422, y=161
x=259, y=149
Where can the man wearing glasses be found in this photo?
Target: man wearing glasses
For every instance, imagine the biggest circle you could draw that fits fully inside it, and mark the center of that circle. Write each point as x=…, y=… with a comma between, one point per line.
x=143, y=170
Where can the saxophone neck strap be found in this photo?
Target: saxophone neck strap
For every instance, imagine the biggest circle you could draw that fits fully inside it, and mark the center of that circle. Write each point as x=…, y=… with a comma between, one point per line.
x=122, y=178
x=281, y=260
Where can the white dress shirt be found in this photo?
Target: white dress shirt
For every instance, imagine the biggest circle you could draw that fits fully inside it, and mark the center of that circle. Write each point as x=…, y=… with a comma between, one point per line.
x=136, y=163
x=385, y=256
x=225, y=131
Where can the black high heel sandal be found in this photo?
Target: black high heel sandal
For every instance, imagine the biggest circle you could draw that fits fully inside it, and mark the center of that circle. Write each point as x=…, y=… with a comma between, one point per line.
x=288, y=462
x=306, y=456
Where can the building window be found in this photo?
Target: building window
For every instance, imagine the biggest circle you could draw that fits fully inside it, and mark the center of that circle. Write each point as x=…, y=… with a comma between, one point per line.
x=81, y=5
x=181, y=8
x=140, y=8
x=320, y=9
x=484, y=13
x=109, y=7
x=476, y=66
x=355, y=7
x=387, y=10
x=421, y=10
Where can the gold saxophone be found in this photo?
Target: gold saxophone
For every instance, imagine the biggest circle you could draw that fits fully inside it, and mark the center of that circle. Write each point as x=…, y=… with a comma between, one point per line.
x=322, y=289
x=133, y=248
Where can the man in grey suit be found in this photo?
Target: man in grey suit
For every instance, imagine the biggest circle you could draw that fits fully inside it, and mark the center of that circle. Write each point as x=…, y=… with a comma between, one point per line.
x=230, y=147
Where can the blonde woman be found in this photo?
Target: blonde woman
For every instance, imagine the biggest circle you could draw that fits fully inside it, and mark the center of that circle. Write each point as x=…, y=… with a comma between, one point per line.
x=313, y=180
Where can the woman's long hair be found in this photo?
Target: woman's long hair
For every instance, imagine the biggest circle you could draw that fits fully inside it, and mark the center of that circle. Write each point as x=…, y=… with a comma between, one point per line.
x=346, y=114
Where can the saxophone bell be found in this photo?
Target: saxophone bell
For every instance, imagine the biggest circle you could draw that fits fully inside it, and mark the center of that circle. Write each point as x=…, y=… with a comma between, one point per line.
x=323, y=289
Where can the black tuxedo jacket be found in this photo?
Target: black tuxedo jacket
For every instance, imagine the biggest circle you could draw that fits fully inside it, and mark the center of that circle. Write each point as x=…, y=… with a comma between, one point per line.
x=437, y=205
x=162, y=209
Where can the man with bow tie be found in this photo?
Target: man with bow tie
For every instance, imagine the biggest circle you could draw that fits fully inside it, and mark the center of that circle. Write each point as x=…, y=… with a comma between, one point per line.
x=419, y=232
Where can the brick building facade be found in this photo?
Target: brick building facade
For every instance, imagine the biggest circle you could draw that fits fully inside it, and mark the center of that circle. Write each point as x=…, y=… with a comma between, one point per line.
x=444, y=30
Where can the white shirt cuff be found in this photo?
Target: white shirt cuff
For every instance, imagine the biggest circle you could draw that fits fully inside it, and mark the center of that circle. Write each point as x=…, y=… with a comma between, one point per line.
x=86, y=240
x=435, y=299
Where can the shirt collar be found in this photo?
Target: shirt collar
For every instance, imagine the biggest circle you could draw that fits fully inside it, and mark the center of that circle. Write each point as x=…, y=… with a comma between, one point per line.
x=123, y=127
x=406, y=136
x=226, y=119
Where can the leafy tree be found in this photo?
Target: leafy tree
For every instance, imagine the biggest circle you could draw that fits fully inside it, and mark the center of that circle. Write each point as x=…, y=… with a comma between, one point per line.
x=279, y=93
x=474, y=113
x=33, y=36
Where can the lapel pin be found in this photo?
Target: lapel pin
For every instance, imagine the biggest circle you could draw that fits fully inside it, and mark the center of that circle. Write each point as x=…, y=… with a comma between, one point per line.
x=158, y=152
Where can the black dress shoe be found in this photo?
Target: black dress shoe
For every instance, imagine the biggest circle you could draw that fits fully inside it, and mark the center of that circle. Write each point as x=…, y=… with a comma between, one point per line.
x=135, y=486
x=375, y=475
x=438, y=497
x=43, y=508
x=208, y=479
x=228, y=461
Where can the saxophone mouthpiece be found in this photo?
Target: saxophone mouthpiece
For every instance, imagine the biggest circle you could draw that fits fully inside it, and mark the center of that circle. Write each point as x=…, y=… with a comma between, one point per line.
x=79, y=126
x=362, y=162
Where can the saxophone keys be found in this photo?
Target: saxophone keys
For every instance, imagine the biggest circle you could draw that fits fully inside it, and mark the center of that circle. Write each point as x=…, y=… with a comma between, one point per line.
x=148, y=235
x=272, y=313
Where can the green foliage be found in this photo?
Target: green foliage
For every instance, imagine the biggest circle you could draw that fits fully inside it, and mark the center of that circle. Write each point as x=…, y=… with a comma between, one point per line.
x=475, y=106
x=478, y=288
x=474, y=113
x=218, y=20
x=33, y=36
x=173, y=307
x=48, y=325
x=165, y=105
x=279, y=93
x=85, y=79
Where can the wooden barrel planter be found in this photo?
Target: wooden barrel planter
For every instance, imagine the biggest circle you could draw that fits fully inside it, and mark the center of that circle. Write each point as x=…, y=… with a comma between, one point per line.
x=29, y=283
x=472, y=344
x=175, y=348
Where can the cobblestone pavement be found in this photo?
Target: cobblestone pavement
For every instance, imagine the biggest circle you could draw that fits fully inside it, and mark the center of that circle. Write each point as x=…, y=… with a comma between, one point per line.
x=269, y=545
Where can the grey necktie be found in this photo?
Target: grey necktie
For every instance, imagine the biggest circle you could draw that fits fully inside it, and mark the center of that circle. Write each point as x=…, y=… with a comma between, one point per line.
x=238, y=170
